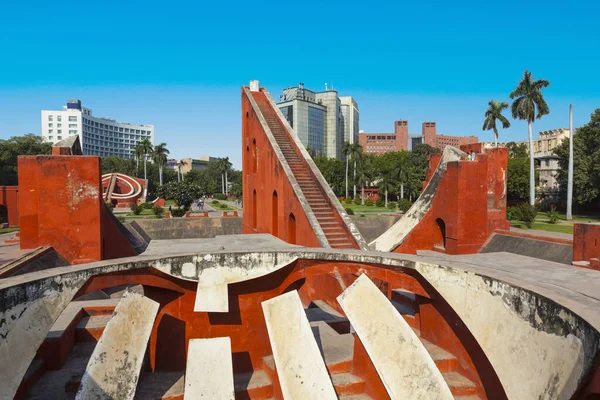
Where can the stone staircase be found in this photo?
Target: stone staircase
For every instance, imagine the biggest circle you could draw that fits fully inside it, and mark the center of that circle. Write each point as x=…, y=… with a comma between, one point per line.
x=334, y=229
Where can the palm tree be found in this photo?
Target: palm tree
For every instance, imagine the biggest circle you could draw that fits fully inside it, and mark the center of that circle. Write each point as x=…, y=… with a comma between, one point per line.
x=346, y=148
x=138, y=152
x=493, y=113
x=364, y=177
x=529, y=104
x=385, y=183
x=401, y=172
x=159, y=156
x=227, y=167
x=146, y=148
x=356, y=155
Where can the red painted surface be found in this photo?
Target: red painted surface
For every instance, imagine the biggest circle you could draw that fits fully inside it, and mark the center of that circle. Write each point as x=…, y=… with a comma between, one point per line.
x=469, y=205
x=9, y=198
x=121, y=186
x=61, y=206
x=230, y=214
x=586, y=243
x=159, y=202
x=262, y=172
x=177, y=323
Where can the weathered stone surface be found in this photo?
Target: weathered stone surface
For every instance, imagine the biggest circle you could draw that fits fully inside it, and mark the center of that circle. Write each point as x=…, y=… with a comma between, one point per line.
x=209, y=370
x=403, y=364
x=557, y=252
x=537, y=348
x=300, y=367
x=114, y=367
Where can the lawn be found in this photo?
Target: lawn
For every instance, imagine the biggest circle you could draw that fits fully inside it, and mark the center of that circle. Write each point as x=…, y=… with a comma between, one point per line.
x=221, y=206
x=544, y=226
x=8, y=230
x=360, y=208
x=143, y=213
x=170, y=202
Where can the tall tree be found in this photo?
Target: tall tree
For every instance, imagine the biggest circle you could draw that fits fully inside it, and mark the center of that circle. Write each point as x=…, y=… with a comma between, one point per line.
x=11, y=149
x=159, y=156
x=401, y=170
x=528, y=105
x=365, y=176
x=346, y=148
x=356, y=154
x=138, y=152
x=146, y=149
x=493, y=114
x=586, y=163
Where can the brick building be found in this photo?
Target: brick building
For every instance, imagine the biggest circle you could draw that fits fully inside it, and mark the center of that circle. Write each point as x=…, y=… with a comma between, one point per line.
x=379, y=143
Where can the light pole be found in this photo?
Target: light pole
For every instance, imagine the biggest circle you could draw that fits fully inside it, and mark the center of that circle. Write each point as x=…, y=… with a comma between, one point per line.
x=570, y=174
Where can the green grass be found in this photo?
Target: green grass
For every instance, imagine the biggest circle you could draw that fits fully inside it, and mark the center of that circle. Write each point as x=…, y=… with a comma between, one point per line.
x=170, y=202
x=144, y=212
x=360, y=208
x=8, y=230
x=218, y=206
x=544, y=226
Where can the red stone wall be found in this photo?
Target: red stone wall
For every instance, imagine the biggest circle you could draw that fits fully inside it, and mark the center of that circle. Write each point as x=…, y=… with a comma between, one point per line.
x=586, y=242
x=428, y=130
x=9, y=198
x=401, y=131
x=61, y=206
x=263, y=174
x=470, y=203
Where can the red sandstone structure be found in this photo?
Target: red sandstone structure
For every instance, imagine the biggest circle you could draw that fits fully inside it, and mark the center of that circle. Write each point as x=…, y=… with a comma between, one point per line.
x=123, y=191
x=9, y=200
x=253, y=317
x=380, y=143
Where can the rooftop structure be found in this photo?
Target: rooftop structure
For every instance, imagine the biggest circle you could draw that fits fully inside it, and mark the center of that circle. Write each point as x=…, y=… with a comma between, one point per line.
x=98, y=136
x=322, y=120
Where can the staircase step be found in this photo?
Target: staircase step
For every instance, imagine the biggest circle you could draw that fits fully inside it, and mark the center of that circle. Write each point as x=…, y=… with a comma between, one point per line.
x=253, y=385
x=458, y=384
x=446, y=362
x=347, y=383
x=91, y=328
x=337, y=349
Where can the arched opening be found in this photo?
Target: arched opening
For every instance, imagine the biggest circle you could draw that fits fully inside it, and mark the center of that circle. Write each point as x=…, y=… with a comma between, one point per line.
x=439, y=239
x=247, y=159
x=274, y=214
x=254, y=210
x=292, y=229
x=254, y=157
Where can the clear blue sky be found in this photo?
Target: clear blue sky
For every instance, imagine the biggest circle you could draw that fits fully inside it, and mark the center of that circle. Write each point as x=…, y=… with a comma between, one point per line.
x=180, y=65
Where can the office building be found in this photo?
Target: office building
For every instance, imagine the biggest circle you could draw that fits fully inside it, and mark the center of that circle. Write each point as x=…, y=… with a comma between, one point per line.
x=98, y=136
x=379, y=143
x=188, y=164
x=322, y=120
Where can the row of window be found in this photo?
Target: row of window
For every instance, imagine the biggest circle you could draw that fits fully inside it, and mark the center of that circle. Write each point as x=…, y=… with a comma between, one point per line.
x=115, y=128
x=72, y=118
x=381, y=137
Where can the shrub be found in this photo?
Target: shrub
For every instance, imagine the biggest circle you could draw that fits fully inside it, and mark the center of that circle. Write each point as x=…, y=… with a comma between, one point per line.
x=223, y=206
x=392, y=206
x=220, y=196
x=552, y=215
x=136, y=209
x=380, y=202
x=362, y=215
x=146, y=206
x=404, y=205
x=348, y=200
x=527, y=213
x=368, y=202
x=178, y=212
x=158, y=211
x=121, y=218
x=349, y=211
x=514, y=213
x=357, y=201
x=214, y=202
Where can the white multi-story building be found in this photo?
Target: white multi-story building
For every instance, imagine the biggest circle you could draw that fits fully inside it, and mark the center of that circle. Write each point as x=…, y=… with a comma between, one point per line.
x=322, y=120
x=98, y=136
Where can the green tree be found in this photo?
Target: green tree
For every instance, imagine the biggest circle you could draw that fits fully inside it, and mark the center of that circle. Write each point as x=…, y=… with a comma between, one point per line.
x=517, y=179
x=159, y=156
x=528, y=105
x=418, y=160
x=11, y=149
x=332, y=170
x=203, y=179
x=516, y=150
x=182, y=193
x=586, y=163
x=493, y=114
x=356, y=152
x=145, y=148
x=346, y=149
x=365, y=176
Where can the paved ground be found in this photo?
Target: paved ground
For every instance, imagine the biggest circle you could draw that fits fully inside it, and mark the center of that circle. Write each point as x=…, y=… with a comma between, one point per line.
x=10, y=252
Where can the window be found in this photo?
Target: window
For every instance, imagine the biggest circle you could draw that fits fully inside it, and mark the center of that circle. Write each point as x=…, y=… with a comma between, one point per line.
x=49, y=130
x=59, y=118
x=59, y=137
x=59, y=125
x=73, y=132
x=49, y=137
x=50, y=117
x=72, y=125
x=50, y=124
x=59, y=131
x=73, y=118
